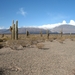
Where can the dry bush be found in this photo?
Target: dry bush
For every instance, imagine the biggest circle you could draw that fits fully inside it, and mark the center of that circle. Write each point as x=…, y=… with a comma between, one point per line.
x=72, y=39
x=46, y=39
x=12, y=42
x=36, y=39
x=1, y=40
x=61, y=40
x=17, y=44
x=51, y=40
x=17, y=47
x=25, y=43
x=40, y=46
x=1, y=46
x=33, y=38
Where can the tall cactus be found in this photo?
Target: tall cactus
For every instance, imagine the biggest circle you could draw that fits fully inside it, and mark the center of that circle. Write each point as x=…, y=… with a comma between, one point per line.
x=2, y=35
x=16, y=31
x=61, y=32
x=13, y=32
x=13, y=22
x=27, y=33
x=47, y=34
x=70, y=35
x=41, y=33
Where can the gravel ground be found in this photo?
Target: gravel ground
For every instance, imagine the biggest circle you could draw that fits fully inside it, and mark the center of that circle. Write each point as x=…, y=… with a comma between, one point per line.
x=55, y=59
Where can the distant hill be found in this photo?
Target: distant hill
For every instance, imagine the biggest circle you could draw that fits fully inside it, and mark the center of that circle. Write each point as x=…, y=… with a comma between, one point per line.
x=66, y=28
x=2, y=31
x=31, y=30
x=23, y=30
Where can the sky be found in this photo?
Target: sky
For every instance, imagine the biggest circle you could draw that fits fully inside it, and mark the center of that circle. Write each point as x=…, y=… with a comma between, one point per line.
x=37, y=13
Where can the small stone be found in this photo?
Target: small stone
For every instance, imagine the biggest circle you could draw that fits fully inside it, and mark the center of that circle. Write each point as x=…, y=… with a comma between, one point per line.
x=20, y=47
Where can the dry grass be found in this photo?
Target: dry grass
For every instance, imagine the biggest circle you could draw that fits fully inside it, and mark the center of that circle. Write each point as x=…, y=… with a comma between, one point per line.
x=61, y=39
x=33, y=39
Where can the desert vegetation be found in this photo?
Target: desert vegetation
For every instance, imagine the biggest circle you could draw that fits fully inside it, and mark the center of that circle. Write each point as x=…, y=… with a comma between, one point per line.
x=36, y=54
x=32, y=39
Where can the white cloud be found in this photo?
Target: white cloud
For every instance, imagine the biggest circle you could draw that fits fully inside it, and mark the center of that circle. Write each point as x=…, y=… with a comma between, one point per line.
x=64, y=22
x=47, y=26
x=50, y=26
x=22, y=12
x=72, y=22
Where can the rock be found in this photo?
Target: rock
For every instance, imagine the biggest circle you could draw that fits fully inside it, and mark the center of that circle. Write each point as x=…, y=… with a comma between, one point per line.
x=33, y=42
x=20, y=47
x=17, y=47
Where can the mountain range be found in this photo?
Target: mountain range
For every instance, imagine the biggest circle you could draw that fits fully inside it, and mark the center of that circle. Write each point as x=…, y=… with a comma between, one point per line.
x=23, y=30
x=66, y=28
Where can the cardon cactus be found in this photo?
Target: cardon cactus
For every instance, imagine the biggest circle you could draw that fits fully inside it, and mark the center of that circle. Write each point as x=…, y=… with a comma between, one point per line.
x=41, y=33
x=14, y=30
x=2, y=35
x=27, y=33
x=47, y=34
x=61, y=33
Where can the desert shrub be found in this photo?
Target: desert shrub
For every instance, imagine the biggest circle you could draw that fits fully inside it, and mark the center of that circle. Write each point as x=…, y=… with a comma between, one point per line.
x=72, y=39
x=60, y=41
x=2, y=35
x=51, y=40
x=1, y=46
x=40, y=46
x=1, y=40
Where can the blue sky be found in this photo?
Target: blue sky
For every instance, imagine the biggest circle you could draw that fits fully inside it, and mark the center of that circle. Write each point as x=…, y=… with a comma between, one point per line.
x=40, y=13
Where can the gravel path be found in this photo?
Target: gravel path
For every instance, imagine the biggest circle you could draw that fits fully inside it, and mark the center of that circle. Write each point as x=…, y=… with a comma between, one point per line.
x=56, y=59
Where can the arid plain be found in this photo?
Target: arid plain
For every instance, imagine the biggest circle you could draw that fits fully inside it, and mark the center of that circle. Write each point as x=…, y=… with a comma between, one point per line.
x=36, y=55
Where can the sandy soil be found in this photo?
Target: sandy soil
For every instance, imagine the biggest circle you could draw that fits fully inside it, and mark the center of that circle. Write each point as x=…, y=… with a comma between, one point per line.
x=55, y=59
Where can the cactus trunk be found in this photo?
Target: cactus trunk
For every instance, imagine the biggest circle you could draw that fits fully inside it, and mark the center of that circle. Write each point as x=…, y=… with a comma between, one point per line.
x=27, y=33
x=41, y=33
x=16, y=31
x=13, y=32
x=61, y=33
x=70, y=35
x=47, y=34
